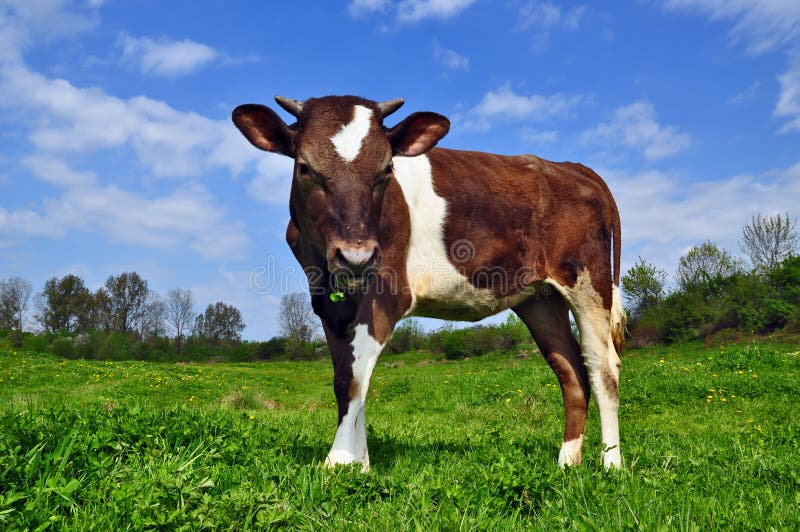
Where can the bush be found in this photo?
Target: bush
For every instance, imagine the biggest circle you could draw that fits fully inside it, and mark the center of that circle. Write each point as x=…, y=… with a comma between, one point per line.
x=64, y=347
x=408, y=336
x=273, y=348
x=36, y=343
x=480, y=339
x=87, y=345
x=116, y=346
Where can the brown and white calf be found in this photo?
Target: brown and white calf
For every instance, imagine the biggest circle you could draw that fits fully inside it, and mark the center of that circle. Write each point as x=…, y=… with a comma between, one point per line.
x=405, y=229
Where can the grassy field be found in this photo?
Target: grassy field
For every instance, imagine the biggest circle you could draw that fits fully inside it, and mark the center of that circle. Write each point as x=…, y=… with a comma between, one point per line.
x=709, y=438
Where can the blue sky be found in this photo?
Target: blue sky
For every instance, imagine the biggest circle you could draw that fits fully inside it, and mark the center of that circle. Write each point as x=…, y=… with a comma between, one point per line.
x=117, y=152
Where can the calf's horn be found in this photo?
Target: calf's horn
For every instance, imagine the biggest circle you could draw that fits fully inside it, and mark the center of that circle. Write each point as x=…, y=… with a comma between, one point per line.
x=293, y=107
x=390, y=106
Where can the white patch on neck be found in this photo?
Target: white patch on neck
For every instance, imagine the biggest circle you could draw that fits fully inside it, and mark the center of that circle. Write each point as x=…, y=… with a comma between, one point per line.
x=348, y=139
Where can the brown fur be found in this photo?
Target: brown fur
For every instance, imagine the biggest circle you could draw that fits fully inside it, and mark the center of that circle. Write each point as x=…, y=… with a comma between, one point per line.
x=527, y=220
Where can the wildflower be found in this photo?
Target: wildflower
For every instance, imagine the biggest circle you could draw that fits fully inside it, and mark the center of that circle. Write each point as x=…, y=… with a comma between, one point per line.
x=252, y=418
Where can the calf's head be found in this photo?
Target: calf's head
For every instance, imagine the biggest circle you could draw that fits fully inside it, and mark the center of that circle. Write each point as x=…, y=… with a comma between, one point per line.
x=343, y=164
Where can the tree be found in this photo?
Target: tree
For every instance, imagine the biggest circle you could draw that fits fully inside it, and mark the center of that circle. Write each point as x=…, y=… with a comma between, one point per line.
x=153, y=316
x=643, y=287
x=705, y=263
x=297, y=323
x=768, y=240
x=14, y=296
x=65, y=305
x=407, y=336
x=180, y=313
x=296, y=319
x=127, y=295
x=220, y=323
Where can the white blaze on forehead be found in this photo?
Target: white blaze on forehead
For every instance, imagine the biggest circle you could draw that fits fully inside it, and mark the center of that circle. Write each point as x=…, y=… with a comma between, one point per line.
x=349, y=138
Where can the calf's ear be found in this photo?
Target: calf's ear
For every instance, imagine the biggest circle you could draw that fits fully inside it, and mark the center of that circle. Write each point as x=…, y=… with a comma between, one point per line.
x=418, y=133
x=264, y=128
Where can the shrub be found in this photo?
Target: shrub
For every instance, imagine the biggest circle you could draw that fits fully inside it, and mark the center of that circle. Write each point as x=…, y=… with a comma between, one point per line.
x=64, y=347
x=116, y=346
x=408, y=336
x=36, y=343
x=273, y=348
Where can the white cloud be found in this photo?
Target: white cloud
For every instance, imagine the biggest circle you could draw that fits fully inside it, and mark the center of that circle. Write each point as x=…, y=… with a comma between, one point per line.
x=55, y=171
x=635, y=126
x=22, y=21
x=186, y=216
x=65, y=120
x=410, y=10
x=747, y=94
x=170, y=143
x=363, y=7
x=788, y=105
x=505, y=105
x=450, y=59
x=763, y=24
x=541, y=18
x=416, y=10
x=165, y=57
x=534, y=136
x=273, y=181
x=680, y=214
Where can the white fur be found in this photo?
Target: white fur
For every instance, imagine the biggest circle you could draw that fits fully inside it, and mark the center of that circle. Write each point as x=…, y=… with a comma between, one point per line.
x=570, y=453
x=599, y=355
x=431, y=275
x=349, y=138
x=350, y=442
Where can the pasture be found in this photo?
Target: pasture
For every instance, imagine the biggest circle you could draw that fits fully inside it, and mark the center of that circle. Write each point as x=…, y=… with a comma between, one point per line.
x=709, y=438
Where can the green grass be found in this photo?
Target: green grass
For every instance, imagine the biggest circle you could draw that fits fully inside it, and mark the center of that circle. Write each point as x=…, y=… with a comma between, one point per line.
x=709, y=438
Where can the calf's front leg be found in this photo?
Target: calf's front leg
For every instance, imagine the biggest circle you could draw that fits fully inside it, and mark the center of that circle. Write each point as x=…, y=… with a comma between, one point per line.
x=354, y=357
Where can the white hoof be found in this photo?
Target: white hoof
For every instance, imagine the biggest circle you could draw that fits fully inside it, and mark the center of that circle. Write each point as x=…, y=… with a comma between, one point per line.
x=612, y=459
x=570, y=454
x=341, y=457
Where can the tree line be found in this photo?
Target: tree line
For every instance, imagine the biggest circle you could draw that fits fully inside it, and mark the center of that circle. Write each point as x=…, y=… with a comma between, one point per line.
x=124, y=318
x=717, y=294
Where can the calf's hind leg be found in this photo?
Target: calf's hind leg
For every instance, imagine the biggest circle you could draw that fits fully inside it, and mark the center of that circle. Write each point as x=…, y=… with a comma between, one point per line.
x=600, y=357
x=547, y=318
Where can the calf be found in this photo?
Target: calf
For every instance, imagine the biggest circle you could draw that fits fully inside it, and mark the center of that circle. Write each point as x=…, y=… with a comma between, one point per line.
x=387, y=226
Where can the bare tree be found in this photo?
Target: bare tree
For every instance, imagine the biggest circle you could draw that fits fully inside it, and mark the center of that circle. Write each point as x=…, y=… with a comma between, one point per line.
x=153, y=316
x=296, y=319
x=180, y=314
x=768, y=240
x=14, y=296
